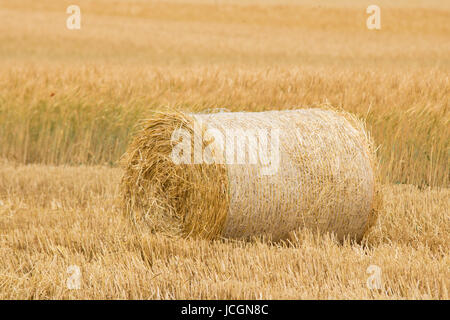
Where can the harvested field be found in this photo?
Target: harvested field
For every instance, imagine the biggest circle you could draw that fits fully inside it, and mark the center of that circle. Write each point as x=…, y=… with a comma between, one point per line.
x=73, y=220
x=71, y=101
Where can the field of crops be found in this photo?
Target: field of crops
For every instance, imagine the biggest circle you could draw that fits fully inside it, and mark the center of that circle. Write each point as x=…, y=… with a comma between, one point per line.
x=70, y=101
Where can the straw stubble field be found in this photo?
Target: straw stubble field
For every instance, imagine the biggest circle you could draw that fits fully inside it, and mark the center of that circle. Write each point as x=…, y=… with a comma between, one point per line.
x=70, y=100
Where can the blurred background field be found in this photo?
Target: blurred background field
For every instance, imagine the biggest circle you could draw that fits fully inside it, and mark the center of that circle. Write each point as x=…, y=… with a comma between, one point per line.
x=74, y=97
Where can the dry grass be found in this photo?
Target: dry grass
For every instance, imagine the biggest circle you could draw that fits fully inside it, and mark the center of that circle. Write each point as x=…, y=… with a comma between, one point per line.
x=74, y=97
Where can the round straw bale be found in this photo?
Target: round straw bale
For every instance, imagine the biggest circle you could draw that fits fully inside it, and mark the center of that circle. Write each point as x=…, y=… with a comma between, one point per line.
x=245, y=174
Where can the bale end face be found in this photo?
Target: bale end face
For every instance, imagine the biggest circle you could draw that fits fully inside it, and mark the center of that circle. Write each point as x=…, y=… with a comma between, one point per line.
x=175, y=199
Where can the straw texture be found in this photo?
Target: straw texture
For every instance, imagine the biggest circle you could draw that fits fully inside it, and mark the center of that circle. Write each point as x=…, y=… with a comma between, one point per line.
x=322, y=175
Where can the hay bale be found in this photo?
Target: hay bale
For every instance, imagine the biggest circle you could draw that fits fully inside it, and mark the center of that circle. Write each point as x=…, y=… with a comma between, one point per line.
x=311, y=168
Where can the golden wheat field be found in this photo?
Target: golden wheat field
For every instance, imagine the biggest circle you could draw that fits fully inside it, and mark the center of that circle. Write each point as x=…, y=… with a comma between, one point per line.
x=70, y=101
